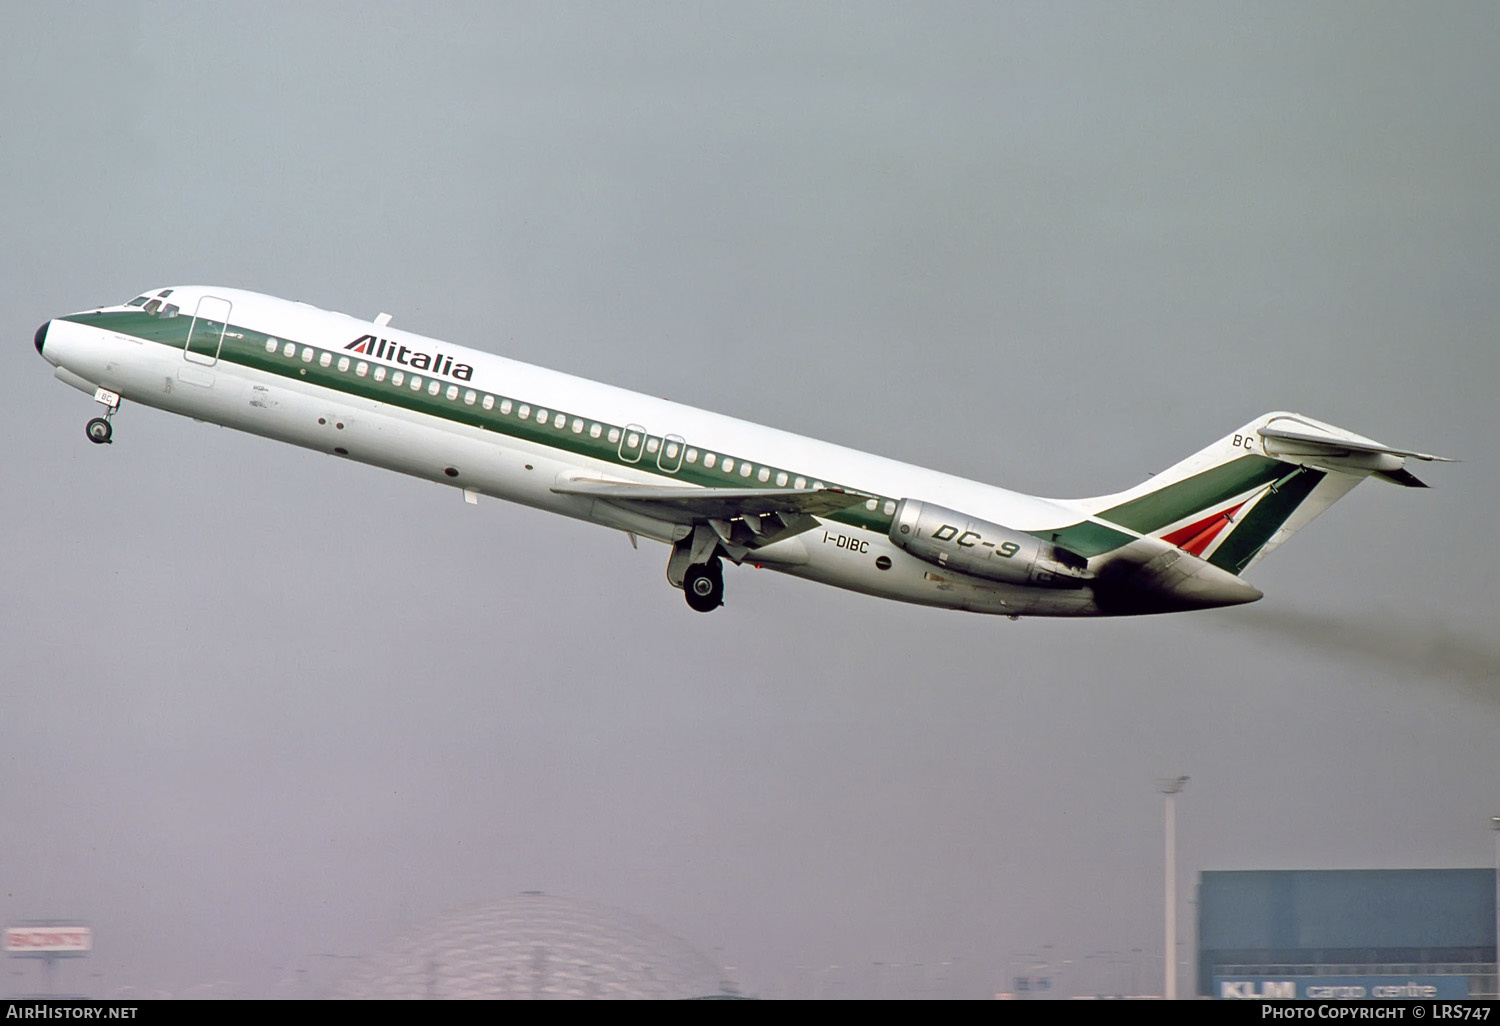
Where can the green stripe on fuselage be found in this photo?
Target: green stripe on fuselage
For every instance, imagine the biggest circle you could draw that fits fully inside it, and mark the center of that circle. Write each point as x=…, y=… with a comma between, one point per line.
x=247, y=348
x=169, y=331
x=1195, y=494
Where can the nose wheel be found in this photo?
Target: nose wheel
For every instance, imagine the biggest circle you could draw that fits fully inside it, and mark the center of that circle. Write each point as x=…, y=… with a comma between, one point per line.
x=703, y=585
x=99, y=430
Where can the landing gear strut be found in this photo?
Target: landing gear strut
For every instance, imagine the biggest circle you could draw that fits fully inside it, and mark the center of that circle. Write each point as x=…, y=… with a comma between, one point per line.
x=99, y=430
x=695, y=567
x=703, y=584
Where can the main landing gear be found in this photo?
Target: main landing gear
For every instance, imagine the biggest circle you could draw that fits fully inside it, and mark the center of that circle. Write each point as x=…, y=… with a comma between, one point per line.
x=99, y=430
x=695, y=567
x=703, y=584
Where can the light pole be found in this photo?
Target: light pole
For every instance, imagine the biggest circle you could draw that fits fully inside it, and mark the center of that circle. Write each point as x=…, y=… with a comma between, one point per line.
x=1495, y=826
x=1171, y=788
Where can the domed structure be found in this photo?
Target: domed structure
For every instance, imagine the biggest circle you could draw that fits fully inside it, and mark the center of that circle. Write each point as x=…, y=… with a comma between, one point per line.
x=534, y=945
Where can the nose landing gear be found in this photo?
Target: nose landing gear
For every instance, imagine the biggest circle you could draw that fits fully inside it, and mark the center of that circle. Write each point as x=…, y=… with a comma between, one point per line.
x=99, y=430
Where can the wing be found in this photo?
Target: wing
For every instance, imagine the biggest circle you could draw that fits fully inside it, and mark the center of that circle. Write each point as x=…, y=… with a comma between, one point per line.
x=746, y=518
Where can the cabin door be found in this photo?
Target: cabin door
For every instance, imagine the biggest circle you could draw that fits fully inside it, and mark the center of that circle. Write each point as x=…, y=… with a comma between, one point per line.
x=206, y=333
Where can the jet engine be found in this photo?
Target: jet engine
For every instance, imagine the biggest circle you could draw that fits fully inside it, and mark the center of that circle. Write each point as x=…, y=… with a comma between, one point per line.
x=959, y=542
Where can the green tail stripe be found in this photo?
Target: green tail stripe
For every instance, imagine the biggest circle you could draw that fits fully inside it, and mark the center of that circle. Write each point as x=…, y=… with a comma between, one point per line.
x=1264, y=520
x=1168, y=505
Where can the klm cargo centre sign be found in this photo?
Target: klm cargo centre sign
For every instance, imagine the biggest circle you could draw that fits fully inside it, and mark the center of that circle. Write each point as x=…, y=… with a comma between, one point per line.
x=1340, y=988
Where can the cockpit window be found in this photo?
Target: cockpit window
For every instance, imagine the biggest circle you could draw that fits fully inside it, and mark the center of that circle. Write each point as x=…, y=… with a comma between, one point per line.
x=164, y=293
x=138, y=301
x=170, y=310
x=153, y=306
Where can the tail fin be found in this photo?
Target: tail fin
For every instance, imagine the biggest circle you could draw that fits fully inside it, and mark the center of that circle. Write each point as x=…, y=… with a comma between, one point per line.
x=1233, y=502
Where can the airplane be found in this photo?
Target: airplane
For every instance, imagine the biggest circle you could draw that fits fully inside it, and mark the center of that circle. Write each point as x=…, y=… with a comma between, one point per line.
x=712, y=487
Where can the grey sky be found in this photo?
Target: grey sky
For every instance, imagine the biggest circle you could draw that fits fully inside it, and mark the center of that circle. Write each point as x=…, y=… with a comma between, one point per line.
x=259, y=704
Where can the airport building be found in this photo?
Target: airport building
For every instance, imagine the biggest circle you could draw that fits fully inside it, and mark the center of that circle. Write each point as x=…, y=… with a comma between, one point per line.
x=1347, y=934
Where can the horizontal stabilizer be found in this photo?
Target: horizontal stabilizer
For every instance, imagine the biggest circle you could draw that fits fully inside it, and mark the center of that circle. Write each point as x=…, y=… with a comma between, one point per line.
x=1288, y=436
x=1402, y=477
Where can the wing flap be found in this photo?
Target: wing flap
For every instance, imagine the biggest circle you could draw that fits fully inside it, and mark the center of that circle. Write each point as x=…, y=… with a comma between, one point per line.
x=702, y=505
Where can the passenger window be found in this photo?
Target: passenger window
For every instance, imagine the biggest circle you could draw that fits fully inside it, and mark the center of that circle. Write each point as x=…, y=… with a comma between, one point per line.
x=325, y=359
x=362, y=368
x=595, y=431
x=398, y=378
x=781, y=480
x=289, y=350
x=692, y=456
x=379, y=373
x=489, y=403
x=728, y=465
x=764, y=475
x=435, y=386
x=745, y=469
x=504, y=407
x=524, y=412
x=343, y=364
x=307, y=355
x=709, y=459
x=469, y=397
x=614, y=435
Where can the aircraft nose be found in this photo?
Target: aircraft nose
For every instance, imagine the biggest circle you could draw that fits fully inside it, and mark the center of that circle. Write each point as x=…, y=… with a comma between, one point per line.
x=41, y=336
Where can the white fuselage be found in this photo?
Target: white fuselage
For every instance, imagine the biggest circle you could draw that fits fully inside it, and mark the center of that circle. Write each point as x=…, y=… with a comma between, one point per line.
x=305, y=385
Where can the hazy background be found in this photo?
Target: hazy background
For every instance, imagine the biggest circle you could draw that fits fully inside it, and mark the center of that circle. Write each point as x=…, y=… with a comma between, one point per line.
x=259, y=706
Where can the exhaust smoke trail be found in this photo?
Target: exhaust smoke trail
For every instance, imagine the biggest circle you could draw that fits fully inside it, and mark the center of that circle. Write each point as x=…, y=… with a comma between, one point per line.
x=1425, y=650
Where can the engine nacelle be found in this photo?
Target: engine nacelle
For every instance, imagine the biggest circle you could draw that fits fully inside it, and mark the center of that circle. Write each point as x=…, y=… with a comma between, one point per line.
x=959, y=542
